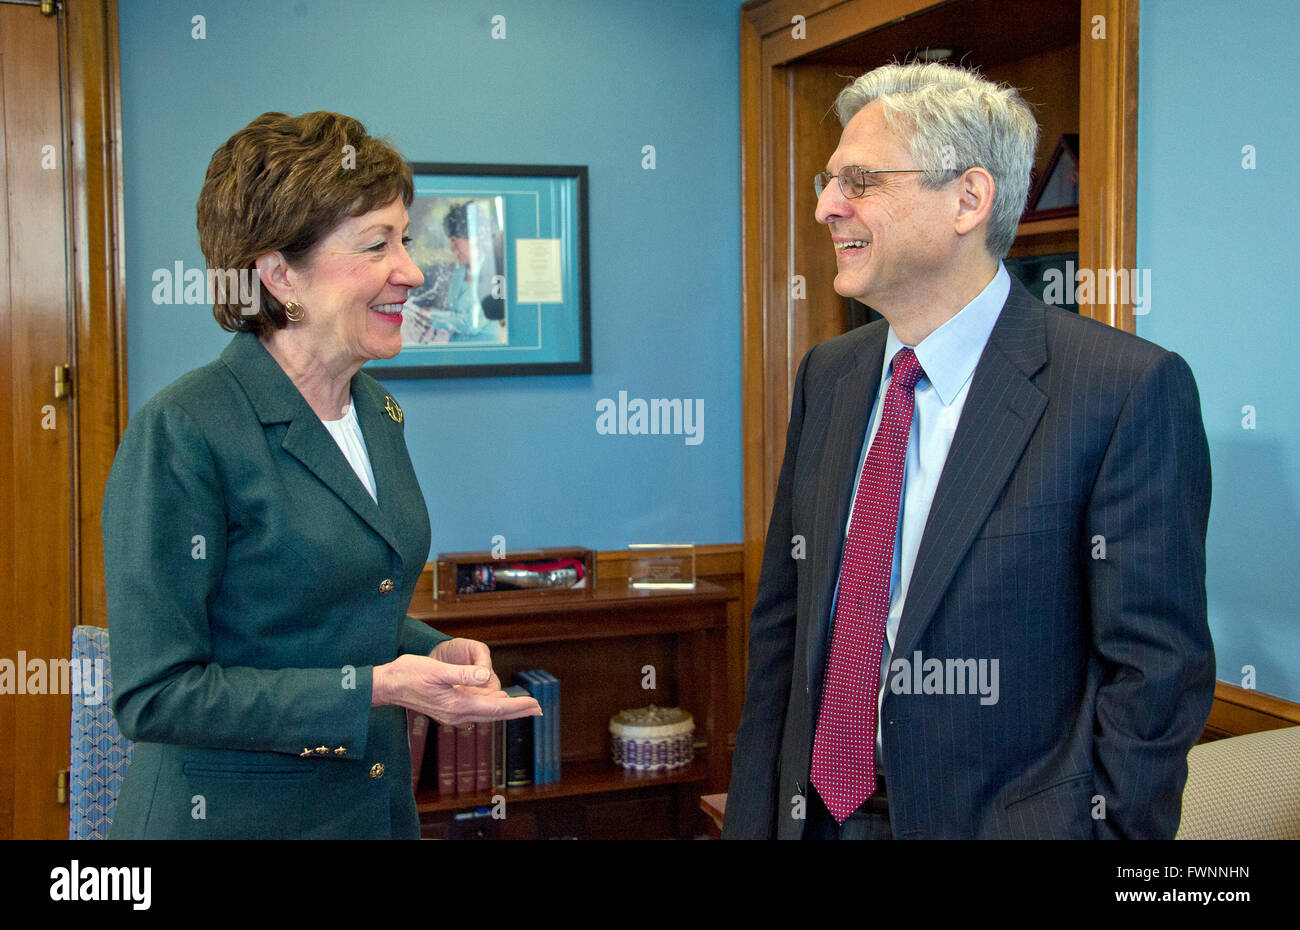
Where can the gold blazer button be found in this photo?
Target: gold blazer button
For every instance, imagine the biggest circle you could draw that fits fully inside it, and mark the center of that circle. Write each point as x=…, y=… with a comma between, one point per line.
x=386, y=586
x=377, y=770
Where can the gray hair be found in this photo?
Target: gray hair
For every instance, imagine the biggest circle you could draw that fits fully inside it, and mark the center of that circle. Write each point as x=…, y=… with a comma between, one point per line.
x=953, y=120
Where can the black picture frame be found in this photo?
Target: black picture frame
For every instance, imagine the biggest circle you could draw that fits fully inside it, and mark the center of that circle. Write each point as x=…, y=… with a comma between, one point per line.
x=477, y=326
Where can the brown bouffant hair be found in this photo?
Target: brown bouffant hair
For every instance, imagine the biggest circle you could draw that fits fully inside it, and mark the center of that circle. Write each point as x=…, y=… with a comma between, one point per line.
x=283, y=183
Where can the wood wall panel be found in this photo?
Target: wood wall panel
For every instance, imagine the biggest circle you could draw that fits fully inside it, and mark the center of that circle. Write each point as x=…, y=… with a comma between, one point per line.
x=8, y=579
x=769, y=18
x=1108, y=89
x=95, y=228
x=829, y=26
x=816, y=134
x=776, y=220
x=1237, y=711
x=756, y=405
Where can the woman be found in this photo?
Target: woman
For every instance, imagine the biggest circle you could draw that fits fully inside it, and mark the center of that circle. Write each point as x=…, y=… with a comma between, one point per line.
x=263, y=528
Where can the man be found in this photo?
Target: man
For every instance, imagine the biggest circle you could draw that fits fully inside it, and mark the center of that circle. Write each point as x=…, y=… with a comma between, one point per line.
x=982, y=603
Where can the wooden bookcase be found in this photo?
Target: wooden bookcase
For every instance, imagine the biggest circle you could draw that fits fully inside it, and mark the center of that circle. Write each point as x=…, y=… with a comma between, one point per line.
x=598, y=644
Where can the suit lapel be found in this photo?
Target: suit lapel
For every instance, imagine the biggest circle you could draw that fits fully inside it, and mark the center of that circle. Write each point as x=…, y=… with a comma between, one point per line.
x=1001, y=412
x=277, y=400
x=847, y=422
x=395, y=483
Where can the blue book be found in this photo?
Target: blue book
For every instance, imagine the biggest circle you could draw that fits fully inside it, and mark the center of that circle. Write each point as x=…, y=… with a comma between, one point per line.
x=553, y=723
x=553, y=716
x=548, y=769
x=544, y=698
x=534, y=687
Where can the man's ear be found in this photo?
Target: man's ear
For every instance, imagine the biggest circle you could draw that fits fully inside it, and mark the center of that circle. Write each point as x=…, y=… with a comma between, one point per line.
x=274, y=272
x=974, y=200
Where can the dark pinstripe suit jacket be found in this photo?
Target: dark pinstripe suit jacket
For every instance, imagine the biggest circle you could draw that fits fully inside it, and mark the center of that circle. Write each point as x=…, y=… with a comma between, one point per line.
x=1072, y=430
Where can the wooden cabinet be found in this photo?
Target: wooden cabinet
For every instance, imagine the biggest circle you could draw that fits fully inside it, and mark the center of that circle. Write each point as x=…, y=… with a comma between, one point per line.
x=604, y=646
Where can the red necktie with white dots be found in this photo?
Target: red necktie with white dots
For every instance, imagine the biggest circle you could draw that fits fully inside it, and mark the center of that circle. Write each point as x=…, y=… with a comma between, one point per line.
x=844, y=748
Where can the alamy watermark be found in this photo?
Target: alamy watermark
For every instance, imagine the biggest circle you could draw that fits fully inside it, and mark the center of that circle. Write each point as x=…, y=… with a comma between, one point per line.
x=181, y=285
x=920, y=675
x=76, y=882
x=84, y=677
x=658, y=416
x=1082, y=286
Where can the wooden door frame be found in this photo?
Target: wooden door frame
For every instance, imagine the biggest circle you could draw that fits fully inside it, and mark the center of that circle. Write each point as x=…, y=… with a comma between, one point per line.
x=770, y=338
x=97, y=286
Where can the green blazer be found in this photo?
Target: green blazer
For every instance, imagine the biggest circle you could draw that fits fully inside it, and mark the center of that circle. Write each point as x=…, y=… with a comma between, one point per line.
x=252, y=586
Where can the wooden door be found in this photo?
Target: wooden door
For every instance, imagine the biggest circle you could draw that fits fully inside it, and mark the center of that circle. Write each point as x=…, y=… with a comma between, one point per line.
x=60, y=288
x=36, y=441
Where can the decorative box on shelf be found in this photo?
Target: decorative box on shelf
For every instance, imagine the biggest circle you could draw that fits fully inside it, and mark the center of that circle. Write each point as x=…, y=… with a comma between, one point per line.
x=526, y=573
x=652, y=739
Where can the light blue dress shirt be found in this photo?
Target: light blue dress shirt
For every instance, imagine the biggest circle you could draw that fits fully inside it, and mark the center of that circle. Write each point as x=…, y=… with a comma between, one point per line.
x=948, y=357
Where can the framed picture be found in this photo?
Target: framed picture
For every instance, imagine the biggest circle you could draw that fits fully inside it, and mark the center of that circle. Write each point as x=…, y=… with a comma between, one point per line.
x=1055, y=193
x=503, y=251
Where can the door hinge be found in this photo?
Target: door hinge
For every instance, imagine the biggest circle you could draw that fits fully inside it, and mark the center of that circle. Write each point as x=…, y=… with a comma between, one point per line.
x=48, y=7
x=62, y=381
x=61, y=788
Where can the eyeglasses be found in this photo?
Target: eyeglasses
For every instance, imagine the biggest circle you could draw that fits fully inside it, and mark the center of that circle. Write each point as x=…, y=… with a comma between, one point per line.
x=853, y=178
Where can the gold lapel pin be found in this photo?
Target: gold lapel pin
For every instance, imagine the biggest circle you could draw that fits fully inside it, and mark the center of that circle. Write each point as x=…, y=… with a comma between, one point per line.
x=394, y=411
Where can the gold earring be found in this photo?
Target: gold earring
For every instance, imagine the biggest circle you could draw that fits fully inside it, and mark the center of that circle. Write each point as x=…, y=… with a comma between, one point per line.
x=295, y=312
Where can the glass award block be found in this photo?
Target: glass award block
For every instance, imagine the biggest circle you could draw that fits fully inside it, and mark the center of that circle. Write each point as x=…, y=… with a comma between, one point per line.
x=661, y=566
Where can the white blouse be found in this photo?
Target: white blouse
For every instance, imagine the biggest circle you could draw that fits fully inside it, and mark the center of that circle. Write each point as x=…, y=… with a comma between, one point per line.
x=347, y=433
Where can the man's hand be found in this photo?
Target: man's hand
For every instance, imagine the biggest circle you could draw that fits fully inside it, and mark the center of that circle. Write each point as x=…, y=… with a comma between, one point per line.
x=454, y=684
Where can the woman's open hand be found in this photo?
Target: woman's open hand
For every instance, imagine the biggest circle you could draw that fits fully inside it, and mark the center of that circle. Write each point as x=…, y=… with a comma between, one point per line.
x=455, y=684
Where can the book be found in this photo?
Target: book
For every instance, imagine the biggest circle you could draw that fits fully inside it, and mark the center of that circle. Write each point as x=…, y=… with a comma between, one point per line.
x=519, y=745
x=553, y=729
x=534, y=687
x=446, y=759
x=498, y=755
x=483, y=757
x=542, y=746
x=429, y=764
x=465, y=743
x=417, y=734
x=544, y=698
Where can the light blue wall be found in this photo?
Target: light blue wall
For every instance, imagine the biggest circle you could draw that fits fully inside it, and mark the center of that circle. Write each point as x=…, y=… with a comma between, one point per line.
x=573, y=82
x=1220, y=241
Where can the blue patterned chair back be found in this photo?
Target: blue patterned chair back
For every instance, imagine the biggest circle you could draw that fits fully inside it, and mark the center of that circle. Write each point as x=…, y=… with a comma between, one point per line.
x=100, y=753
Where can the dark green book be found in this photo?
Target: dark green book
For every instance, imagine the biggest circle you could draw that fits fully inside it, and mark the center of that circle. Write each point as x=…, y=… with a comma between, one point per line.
x=519, y=745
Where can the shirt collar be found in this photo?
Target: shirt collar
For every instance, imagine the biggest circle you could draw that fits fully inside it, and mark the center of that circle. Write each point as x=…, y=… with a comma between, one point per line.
x=949, y=354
